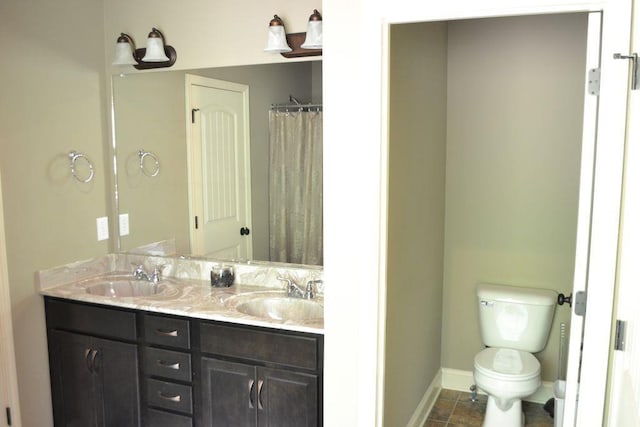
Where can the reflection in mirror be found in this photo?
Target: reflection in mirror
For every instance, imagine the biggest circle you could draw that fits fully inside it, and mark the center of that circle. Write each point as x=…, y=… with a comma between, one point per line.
x=151, y=115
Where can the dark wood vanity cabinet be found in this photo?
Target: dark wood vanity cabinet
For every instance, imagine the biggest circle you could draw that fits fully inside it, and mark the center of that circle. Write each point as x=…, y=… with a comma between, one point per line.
x=94, y=370
x=257, y=377
x=118, y=367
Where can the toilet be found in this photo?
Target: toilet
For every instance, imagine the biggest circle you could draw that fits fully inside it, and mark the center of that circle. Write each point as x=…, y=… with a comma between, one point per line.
x=514, y=323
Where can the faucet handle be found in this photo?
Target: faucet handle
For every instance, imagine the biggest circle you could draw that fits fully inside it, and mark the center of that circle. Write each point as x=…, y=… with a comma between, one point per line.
x=310, y=293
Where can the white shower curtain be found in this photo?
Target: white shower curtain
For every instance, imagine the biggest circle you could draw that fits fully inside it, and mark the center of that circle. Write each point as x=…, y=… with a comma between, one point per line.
x=295, y=187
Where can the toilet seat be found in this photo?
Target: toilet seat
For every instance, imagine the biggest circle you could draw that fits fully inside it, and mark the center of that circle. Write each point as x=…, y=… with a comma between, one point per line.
x=507, y=364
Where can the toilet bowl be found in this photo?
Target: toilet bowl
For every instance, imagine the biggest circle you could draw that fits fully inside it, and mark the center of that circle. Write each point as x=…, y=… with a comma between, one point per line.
x=507, y=376
x=514, y=323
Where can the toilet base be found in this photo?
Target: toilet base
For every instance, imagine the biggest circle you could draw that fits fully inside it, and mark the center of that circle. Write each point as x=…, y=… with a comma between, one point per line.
x=495, y=417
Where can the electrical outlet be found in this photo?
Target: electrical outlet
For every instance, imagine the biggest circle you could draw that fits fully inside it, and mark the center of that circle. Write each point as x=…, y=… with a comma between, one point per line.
x=124, y=224
x=102, y=224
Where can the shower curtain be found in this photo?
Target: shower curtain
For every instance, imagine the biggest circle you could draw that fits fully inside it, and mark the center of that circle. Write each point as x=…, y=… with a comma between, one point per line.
x=295, y=187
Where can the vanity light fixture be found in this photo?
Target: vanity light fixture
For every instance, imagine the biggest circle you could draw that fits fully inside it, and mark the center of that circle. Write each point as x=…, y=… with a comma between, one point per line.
x=157, y=54
x=295, y=44
x=314, y=32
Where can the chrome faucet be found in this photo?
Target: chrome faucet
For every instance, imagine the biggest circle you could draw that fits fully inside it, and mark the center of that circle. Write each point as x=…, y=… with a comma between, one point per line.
x=154, y=277
x=295, y=291
x=311, y=284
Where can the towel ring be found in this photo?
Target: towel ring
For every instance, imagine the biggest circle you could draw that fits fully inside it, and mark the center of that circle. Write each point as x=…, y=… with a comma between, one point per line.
x=73, y=158
x=142, y=154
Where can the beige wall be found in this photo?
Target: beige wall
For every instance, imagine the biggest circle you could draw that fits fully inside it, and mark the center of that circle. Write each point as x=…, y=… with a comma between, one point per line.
x=52, y=101
x=417, y=146
x=155, y=120
x=514, y=120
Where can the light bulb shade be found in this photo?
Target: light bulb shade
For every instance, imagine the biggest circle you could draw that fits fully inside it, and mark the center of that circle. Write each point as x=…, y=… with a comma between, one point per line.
x=277, y=40
x=124, y=53
x=313, y=39
x=155, y=48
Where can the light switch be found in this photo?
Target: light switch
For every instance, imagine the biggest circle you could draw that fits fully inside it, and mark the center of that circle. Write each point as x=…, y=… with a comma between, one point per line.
x=103, y=228
x=124, y=224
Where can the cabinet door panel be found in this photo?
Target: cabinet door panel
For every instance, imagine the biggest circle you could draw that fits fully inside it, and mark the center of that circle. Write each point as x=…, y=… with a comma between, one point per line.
x=73, y=384
x=287, y=399
x=117, y=366
x=228, y=394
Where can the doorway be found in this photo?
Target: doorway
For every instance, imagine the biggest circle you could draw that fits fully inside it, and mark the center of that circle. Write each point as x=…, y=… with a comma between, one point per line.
x=486, y=170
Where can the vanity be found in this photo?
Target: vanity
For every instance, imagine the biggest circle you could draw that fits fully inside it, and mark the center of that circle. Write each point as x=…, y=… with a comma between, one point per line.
x=125, y=352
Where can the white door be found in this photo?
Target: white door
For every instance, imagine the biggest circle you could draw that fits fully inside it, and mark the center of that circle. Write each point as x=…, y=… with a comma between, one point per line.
x=219, y=168
x=598, y=223
x=624, y=386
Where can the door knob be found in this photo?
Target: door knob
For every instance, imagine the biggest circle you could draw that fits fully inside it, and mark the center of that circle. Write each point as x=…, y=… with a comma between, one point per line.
x=244, y=231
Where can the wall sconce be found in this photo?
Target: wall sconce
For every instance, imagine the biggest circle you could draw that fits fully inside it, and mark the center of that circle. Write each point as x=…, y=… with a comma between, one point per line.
x=295, y=44
x=156, y=55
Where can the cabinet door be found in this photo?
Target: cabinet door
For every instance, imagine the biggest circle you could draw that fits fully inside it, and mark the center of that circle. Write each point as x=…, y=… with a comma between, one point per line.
x=94, y=381
x=228, y=393
x=73, y=384
x=116, y=366
x=287, y=399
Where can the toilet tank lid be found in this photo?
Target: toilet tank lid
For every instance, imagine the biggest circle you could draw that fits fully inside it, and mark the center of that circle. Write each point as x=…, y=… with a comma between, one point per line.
x=517, y=295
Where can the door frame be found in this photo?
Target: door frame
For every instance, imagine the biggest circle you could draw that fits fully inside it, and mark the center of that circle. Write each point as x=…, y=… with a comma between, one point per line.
x=194, y=205
x=8, y=373
x=601, y=259
x=620, y=403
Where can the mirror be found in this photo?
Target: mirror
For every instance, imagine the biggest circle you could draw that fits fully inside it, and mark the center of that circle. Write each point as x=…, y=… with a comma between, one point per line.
x=150, y=116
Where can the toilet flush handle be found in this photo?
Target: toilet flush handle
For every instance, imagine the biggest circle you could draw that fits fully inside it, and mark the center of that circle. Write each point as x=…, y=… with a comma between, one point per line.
x=562, y=299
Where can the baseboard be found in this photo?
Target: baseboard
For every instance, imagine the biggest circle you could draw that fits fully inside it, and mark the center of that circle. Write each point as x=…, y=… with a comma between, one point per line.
x=426, y=404
x=455, y=379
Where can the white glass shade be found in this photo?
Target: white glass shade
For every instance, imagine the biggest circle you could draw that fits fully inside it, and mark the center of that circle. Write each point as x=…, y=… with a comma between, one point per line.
x=155, y=50
x=314, y=36
x=124, y=54
x=277, y=40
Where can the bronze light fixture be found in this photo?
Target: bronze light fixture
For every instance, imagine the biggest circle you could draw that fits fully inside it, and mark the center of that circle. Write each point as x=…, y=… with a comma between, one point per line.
x=157, y=54
x=295, y=44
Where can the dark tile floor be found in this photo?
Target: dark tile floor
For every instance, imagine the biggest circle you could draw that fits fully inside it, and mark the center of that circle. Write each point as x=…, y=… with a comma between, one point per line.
x=455, y=409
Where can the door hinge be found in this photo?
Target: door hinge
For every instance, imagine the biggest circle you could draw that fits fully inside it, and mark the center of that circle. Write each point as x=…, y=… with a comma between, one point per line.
x=580, y=303
x=594, y=81
x=193, y=114
x=196, y=222
x=8, y=416
x=635, y=78
x=621, y=327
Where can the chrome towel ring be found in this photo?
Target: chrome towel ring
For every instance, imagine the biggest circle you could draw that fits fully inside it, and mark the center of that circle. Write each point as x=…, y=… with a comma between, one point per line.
x=74, y=157
x=142, y=154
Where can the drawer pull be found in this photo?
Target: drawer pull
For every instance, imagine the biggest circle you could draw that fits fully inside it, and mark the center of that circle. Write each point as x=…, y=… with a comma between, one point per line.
x=166, y=333
x=169, y=365
x=175, y=398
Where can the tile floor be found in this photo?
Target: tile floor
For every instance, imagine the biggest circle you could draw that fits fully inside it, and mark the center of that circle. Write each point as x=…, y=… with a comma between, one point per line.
x=455, y=409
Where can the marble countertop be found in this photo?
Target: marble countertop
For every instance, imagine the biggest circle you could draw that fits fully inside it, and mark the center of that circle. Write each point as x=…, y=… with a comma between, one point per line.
x=179, y=296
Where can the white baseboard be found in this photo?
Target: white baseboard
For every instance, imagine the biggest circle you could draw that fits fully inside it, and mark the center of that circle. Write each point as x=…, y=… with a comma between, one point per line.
x=426, y=404
x=455, y=379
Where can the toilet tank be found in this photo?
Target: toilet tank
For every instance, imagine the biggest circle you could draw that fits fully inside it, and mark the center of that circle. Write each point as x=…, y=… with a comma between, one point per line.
x=515, y=317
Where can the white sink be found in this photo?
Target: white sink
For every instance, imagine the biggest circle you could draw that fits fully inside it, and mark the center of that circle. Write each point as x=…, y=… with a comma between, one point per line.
x=124, y=286
x=281, y=308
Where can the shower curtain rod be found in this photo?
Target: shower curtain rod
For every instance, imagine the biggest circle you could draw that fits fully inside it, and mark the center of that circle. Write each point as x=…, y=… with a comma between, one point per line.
x=296, y=107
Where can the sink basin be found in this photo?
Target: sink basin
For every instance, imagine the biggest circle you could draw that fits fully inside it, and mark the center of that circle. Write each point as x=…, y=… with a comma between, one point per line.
x=282, y=308
x=126, y=288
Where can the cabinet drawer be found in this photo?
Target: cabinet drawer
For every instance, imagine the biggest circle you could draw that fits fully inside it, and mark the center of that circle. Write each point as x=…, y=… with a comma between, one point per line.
x=156, y=418
x=89, y=319
x=251, y=344
x=171, y=396
x=167, y=364
x=167, y=331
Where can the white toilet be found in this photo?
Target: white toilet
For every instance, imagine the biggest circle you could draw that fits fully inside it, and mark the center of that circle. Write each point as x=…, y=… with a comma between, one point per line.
x=514, y=322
